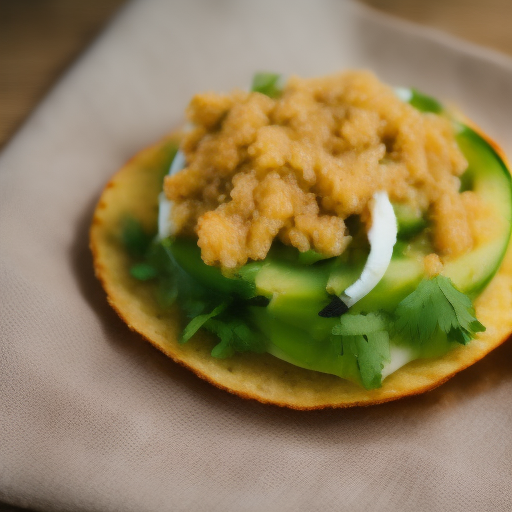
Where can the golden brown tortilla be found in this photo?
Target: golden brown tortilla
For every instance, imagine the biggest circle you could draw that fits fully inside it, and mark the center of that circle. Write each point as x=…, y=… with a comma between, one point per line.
x=134, y=191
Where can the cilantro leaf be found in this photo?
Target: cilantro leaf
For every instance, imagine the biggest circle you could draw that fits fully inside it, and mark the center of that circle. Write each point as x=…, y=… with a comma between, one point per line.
x=143, y=271
x=367, y=338
x=134, y=237
x=468, y=324
x=197, y=322
x=266, y=83
x=371, y=351
x=352, y=325
x=437, y=305
x=235, y=336
x=167, y=291
x=425, y=103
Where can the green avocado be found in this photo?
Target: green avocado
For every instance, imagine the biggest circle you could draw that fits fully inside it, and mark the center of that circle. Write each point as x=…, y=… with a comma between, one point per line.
x=410, y=221
x=187, y=257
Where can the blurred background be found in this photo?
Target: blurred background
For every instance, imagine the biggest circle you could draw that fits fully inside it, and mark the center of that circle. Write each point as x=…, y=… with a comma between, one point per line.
x=39, y=39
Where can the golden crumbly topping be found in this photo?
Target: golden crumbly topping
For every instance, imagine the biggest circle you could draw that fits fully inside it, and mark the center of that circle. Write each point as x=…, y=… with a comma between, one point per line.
x=297, y=166
x=432, y=264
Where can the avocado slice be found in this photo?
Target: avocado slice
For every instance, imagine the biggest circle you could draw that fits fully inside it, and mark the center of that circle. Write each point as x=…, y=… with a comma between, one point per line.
x=410, y=221
x=487, y=176
x=187, y=257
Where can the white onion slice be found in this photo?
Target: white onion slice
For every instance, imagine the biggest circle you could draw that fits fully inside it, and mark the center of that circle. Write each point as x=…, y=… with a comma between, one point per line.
x=403, y=93
x=165, y=225
x=178, y=163
x=382, y=238
x=399, y=356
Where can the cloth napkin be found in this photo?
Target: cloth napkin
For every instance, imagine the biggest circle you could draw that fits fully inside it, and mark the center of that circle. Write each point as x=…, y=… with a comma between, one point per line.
x=92, y=418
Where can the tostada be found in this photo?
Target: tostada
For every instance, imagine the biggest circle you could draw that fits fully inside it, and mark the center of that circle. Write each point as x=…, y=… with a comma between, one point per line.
x=324, y=242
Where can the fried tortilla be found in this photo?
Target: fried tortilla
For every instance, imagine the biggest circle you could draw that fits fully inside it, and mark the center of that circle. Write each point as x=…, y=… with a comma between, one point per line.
x=134, y=190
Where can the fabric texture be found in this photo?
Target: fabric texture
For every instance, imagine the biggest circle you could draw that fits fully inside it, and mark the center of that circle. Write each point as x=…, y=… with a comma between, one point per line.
x=92, y=418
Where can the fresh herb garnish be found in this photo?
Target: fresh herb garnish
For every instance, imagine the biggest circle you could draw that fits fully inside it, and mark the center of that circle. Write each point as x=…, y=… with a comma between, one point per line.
x=197, y=322
x=367, y=338
x=266, y=83
x=134, y=237
x=226, y=320
x=234, y=332
x=437, y=304
x=351, y=325
x=434, y=306
x=425, y=103
x=235, y=336
x=143, y=271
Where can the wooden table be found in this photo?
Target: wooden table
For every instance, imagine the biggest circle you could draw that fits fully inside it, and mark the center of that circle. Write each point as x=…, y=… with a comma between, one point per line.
x=39, y=39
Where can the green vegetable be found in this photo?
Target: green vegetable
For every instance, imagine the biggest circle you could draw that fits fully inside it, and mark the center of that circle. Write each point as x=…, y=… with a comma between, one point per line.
x=437, y=304
x=425, y=103
x=367, y=338
x=488, y=177
x=235, y=336
x=360, y=325
x=196, y=323
x=187, y=256
x=310, y=257
x=267, y=83
x=143, y=271
x=371, y=351
x=134, y=237
x=410, y=221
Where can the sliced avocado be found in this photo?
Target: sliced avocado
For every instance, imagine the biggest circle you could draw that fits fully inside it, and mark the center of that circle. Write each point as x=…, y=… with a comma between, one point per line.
x=400, y=279
x=344, y=274
x=489, y=178
x=299, y=348
x=284, y=278
x=302, y=312
x=187, y=256
x=279, y=273
x=410, y=221
x=310, y=257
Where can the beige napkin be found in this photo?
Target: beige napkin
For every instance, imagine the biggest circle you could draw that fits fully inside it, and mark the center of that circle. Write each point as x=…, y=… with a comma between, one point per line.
x=94, y=419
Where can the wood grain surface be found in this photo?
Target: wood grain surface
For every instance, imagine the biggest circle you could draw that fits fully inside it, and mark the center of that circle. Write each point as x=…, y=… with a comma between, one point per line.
x=38, y=40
